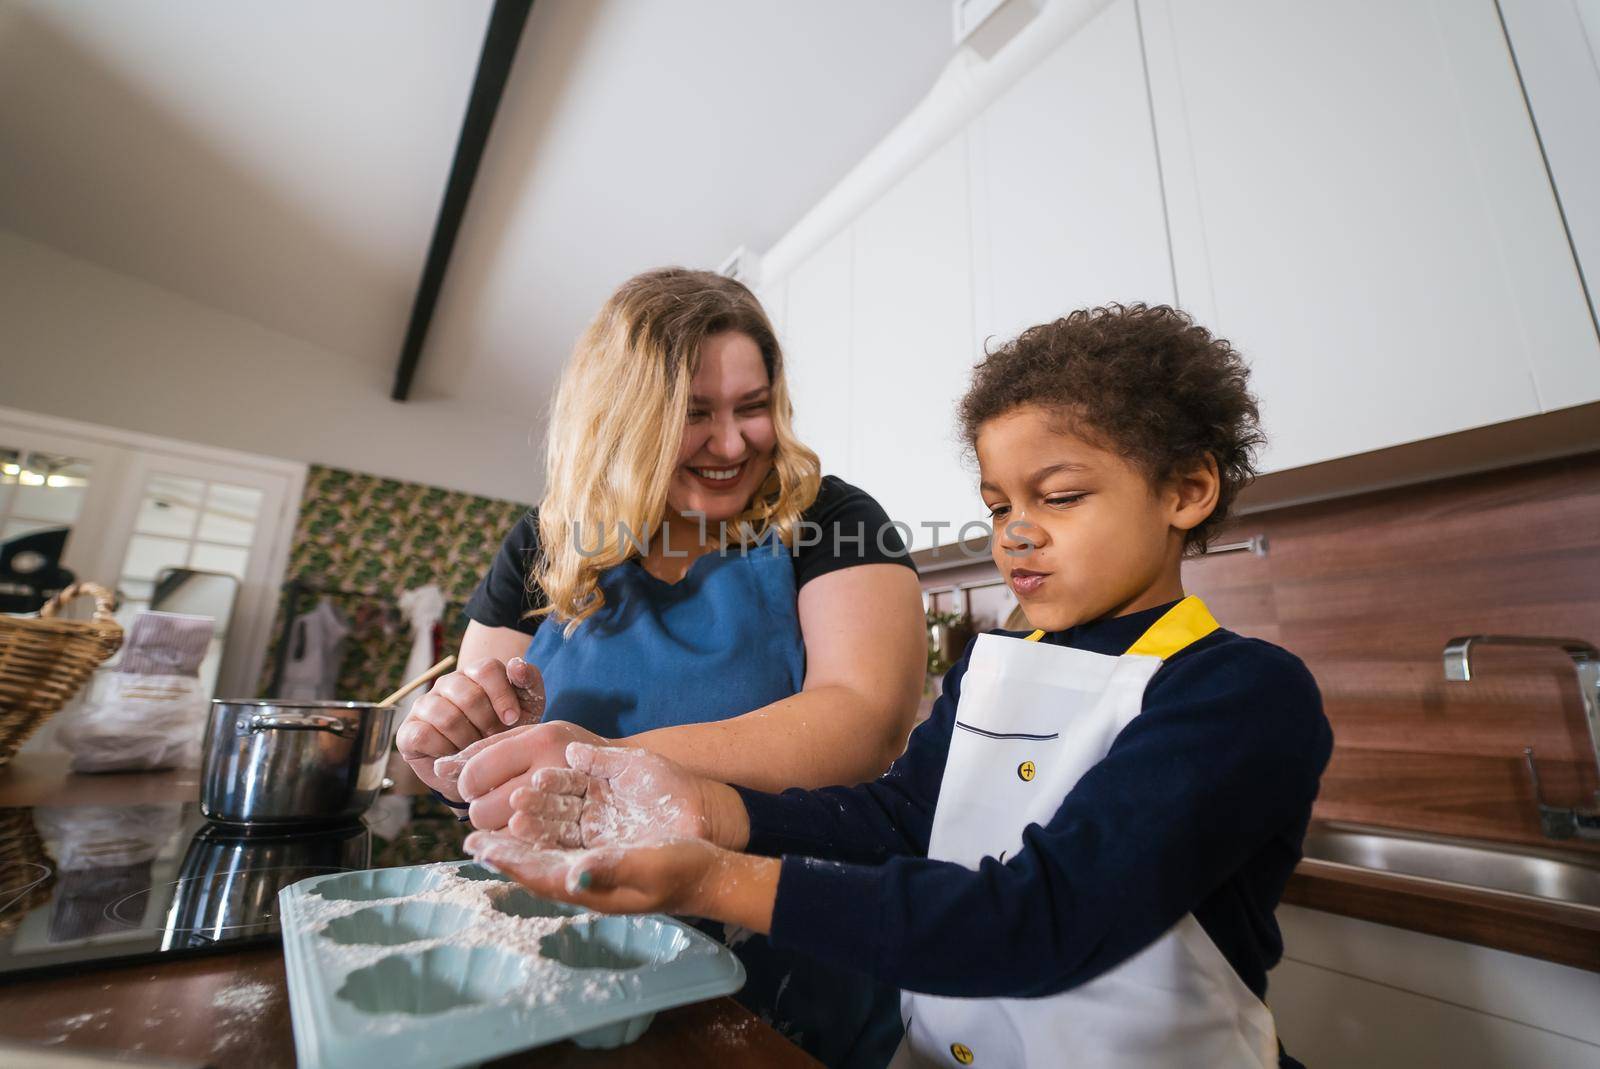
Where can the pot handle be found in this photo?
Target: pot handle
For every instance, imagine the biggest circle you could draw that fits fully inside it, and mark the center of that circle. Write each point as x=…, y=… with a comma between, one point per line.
x=300, y=722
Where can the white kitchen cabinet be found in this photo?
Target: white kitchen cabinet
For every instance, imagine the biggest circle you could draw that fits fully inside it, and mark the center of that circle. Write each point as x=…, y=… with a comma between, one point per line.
x=1356, y=198
x=912, y=347
x=1067, y=209
x=816, y=341
x=1353, y=993
x=1557, y=48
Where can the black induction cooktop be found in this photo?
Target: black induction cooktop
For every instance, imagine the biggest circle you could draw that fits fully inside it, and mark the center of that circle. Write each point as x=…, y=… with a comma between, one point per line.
x=86, y=885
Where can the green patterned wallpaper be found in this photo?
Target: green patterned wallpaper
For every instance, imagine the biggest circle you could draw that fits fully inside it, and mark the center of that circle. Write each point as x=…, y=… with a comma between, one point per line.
x=359, y=532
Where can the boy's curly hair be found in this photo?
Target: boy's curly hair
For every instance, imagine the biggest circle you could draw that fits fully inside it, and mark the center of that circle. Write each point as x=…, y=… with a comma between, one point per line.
x=1142, y=381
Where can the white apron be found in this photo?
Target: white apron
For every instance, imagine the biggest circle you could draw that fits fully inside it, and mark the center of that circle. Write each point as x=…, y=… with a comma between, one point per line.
x=1032, y=719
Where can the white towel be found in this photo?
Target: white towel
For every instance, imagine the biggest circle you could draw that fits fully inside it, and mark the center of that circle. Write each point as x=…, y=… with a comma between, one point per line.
x=316, y=648
x=166, y=644
x=423, y=608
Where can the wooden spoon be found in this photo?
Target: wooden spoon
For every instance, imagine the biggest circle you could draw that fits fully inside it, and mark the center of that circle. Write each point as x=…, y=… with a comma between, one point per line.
x=427, y=677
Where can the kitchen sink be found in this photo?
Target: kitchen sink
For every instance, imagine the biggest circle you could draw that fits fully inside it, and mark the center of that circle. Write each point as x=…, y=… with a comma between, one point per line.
x=1572, y=879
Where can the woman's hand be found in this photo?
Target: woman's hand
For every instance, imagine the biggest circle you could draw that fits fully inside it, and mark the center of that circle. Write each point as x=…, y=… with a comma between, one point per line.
x=685, y=876
x=494, y=769
x=464, y=708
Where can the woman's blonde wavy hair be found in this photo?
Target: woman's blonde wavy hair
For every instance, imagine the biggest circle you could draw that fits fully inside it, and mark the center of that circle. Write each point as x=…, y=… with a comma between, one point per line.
x=617, y=423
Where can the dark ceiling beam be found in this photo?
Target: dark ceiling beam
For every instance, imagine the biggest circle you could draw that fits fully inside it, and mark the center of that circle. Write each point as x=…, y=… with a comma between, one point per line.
x=494, y=66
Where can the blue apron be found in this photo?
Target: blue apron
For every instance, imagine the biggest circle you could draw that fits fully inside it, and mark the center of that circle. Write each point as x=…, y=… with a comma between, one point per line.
x=722, y=641
x=719, y=643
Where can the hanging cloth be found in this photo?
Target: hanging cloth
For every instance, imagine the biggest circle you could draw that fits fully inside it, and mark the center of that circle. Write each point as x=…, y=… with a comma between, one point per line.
x=423, y=608
x=316, y=648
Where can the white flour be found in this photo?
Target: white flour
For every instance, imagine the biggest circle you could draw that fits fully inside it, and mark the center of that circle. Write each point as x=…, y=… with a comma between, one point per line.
x=609, y=817
x=69, y=1025
x=245, y=1000
x=732, y=1033
x=161, y=1019
x=239, y=1007
x=633, y=805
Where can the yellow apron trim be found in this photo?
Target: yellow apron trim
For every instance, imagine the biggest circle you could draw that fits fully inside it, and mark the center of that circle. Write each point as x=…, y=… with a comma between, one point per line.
x=1187, y=622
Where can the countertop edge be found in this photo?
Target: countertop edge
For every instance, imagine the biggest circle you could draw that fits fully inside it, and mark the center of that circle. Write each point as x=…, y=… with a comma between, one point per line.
x=1551, y=931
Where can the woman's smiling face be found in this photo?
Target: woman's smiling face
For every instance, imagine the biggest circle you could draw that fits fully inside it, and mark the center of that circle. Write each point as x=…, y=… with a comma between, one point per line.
x=728, y=437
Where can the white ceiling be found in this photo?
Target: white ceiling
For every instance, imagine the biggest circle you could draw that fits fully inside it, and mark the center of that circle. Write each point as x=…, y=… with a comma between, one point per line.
x=284, y=162
x=278, y=161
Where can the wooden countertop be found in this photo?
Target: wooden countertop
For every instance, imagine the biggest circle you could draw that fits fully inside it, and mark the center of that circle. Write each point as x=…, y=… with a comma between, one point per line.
x=231, y=1010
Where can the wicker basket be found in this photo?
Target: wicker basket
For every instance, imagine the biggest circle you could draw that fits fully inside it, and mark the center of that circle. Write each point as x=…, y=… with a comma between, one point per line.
x=44, y=661
x=27, y=873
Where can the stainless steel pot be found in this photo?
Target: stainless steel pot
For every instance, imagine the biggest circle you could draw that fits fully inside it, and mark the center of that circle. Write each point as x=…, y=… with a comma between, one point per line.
x=270, y=762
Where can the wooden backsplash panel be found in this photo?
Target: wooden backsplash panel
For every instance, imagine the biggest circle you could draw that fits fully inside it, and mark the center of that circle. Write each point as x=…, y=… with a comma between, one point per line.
x=1368, y=589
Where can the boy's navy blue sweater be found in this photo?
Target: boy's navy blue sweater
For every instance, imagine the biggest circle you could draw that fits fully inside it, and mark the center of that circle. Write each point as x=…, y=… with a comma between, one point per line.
x=1199, y=807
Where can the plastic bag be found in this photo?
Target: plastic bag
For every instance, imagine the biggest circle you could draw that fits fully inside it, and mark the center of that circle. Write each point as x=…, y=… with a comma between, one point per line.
x=138, y=723
x=149, y=712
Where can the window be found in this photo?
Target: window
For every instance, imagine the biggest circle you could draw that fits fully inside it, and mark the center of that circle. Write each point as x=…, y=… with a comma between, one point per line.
x=39, y=491
x=192, y=523
x=41, y=497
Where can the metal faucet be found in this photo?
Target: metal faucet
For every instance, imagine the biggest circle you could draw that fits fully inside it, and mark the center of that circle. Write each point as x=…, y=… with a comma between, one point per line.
x=1557, y=822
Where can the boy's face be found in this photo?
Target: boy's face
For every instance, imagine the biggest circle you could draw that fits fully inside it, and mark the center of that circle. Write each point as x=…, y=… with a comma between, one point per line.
x=1079, y=532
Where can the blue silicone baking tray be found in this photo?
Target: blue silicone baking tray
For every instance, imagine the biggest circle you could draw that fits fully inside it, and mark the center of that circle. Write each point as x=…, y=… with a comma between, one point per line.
x=452, y=964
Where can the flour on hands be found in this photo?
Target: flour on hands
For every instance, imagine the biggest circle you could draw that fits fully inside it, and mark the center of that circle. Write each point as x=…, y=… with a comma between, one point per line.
x=609, y=795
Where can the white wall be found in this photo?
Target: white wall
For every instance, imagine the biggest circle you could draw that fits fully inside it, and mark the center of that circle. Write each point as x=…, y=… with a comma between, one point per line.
x=83, y=342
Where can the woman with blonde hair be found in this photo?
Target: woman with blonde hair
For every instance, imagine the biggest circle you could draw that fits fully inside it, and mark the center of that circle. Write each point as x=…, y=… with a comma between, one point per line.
x=691, y=583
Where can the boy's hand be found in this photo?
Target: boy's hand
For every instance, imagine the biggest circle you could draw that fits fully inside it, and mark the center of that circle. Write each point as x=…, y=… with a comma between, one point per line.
x=613, y=795
x=683, y=876
x=464, y=709
x=660, y=877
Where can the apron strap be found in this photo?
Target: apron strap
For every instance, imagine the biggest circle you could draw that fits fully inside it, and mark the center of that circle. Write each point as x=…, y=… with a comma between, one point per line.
x=1185, y=623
